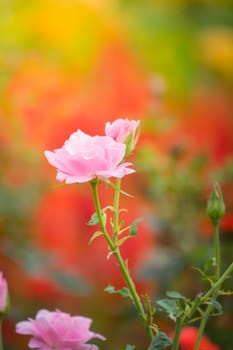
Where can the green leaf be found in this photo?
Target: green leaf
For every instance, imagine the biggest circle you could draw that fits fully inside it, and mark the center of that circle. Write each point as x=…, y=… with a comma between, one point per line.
x=124, y=292
x=128, y=347
x=93, y=220
x=169, y=306
x=174, y=295
x=95, y=235
x=133, y=230
x=160, y=341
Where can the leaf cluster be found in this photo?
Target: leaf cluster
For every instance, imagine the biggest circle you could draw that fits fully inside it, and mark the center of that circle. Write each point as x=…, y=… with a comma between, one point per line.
x=132, y=229
x=124, y=292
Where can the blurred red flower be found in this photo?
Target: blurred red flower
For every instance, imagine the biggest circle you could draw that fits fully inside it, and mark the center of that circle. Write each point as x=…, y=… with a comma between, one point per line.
x=60, y=228
x=205, y=125
x=43, y=106
x=208, y=126
x=40, y=97
x=188, y=338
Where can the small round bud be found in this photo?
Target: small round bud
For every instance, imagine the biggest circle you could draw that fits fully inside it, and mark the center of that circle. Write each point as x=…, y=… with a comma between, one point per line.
x=215, y=205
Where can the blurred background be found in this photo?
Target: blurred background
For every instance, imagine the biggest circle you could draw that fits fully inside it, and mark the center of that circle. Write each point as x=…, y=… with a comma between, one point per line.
x=69, y=64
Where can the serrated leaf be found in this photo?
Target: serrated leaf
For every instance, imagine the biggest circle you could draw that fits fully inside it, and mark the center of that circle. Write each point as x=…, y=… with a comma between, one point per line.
x=124, y=292
x=94, y=236
x=133, y=230
x=174, y=295
x=160, y=342
x=93, y=220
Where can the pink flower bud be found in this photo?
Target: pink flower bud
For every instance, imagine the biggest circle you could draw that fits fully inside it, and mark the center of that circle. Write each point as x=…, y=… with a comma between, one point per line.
x=125, y=131
x=3, y=293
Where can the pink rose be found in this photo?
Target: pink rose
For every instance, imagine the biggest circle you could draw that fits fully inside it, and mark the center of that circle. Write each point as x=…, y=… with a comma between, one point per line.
x=83, y=158
x=123, y=130
x=58, y=330
x=3, y=293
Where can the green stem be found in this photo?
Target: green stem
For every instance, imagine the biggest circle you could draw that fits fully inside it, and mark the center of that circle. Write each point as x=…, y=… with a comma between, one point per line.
x=219, y=282
x=203, y=324
x=1, y=344
x=116, y=211
x=99, y=214
x=124, y=270
x=179, y=324
x=217, y=250
x=195, y=306
x=214, y=290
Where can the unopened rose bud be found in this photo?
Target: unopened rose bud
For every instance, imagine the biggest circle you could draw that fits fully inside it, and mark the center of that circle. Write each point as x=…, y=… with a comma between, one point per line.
x=125, y=131
x=215, y=205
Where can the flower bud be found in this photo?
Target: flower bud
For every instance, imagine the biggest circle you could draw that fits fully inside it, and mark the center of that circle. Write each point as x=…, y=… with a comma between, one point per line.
x=215, y=205
x=4, y=300
x=125, y=131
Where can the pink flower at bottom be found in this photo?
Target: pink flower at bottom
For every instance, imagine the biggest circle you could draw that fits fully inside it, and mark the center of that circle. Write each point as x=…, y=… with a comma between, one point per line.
x=58, y=331
x=3, y=293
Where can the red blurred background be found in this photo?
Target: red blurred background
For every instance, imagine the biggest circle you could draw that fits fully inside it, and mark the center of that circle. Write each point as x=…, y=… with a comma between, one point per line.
x=168, y=64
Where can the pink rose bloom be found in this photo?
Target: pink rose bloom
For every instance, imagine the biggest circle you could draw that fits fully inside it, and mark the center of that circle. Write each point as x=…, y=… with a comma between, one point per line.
x=3, y=293
x=123, y=130
x=83, y=158
x=58, y=331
